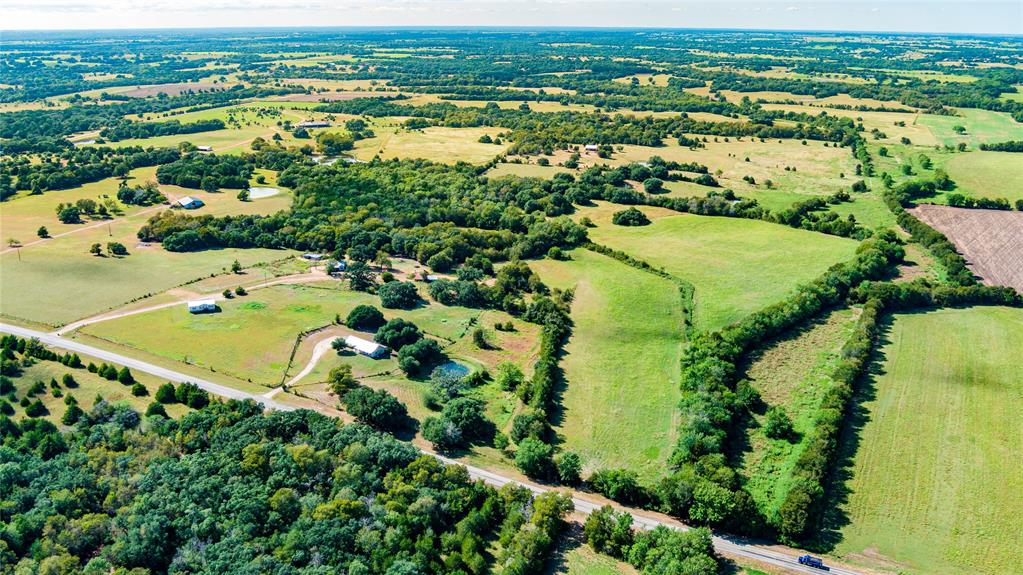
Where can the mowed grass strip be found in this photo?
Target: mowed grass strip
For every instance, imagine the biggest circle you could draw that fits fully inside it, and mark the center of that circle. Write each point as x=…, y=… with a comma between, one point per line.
x=737, y=266
x=936, y=483
x=620, y=364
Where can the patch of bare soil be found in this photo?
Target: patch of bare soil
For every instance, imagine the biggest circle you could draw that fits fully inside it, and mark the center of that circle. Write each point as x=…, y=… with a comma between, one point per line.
x=990, y=240
x=169, y=89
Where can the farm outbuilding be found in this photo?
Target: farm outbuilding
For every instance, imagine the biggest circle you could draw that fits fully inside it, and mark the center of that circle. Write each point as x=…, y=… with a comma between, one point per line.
x=366, y=347
x=204, y=148
x=591, y=147
x=313, y=257
x=190, y=203
x=313, y=124
x=202, y=306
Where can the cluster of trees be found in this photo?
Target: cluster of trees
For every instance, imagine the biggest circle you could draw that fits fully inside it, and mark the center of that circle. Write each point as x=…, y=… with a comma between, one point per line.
x=961, y=201
x=661, y=551
x=1010, y=146
x=630, y=217
x=76, y=166
x=291, y=492
x=126, y=130
x=145, y=195
x=208, y=172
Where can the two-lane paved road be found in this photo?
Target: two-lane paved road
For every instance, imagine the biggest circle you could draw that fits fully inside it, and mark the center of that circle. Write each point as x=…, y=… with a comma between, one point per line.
x=734, y=547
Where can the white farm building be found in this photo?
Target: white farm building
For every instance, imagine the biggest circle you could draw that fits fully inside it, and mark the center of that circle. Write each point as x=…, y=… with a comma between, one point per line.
x=202, y=305
x=366, y=347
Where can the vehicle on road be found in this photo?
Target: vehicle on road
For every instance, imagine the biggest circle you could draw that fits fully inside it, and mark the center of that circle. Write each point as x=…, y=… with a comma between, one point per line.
x=811, y=561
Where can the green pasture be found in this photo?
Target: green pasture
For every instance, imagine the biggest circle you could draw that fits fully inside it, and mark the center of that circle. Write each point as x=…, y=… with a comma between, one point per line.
x=440, y=144
x=982, y=126
x=792, y=372
x=935, y=485
x=737, y=266
x=620, y=364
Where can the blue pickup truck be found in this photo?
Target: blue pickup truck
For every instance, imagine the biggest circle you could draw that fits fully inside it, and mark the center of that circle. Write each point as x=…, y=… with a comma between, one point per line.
x=811, y=561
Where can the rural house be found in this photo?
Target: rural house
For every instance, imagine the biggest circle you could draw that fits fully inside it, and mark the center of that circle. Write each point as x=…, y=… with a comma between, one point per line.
x=202, y=305
x=367, y=348
x=190, y=203
x=204, y=148
x=312, y=257
x=313, y=124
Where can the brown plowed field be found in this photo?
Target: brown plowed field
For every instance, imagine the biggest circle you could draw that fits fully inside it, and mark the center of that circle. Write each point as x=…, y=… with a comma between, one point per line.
x=990, y=240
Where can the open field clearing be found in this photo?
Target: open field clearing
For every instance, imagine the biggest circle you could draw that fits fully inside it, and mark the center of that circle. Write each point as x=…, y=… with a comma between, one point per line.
x=916, y=128
x=45, y=285
x=526, y=170
x=991, y=240
x=89, y=387
x=446, y=145
x=620, y=364
x=935, y=483
x=22, y=214
x=794, y=373
x=646, y=79
x=982, y=126
x=250, y=338
x=38, y=279
x=228, y=140
x=986, y=174
x=716, y=255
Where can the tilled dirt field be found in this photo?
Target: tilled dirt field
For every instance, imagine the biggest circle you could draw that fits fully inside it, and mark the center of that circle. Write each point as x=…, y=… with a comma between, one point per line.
x=990, y=240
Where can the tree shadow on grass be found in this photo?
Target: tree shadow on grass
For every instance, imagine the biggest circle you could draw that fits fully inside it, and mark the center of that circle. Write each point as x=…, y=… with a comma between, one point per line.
x=837, y=485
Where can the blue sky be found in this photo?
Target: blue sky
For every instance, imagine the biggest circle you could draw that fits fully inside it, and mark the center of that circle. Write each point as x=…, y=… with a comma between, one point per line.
x=980, y=17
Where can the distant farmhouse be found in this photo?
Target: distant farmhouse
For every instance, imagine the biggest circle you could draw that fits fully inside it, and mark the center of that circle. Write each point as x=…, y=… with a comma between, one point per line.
x=204, y=148
x=190, y=203
x=367, y=348
x=313, y=257
x=313, y=124
x=202, y=306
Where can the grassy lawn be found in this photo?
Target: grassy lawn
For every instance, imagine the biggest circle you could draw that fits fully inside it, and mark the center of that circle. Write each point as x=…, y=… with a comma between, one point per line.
x=621, y=363
x=981, y=126
x=89, y=386
x=719, y=255
x=251, y=338
x=936, y=482
x=792, y=372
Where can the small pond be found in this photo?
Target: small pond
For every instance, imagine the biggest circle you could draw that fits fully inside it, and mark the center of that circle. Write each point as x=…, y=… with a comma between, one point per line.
x=452, y=368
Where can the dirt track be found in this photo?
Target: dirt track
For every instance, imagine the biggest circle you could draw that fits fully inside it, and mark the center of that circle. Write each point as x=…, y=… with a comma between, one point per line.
x=990, y=240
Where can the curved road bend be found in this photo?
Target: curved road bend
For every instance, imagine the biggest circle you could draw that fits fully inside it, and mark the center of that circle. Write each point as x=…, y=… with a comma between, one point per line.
x=735, y=547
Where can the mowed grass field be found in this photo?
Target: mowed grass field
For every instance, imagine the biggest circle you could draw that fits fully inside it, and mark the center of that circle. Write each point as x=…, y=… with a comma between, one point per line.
x=251, y=338
x=982, y=126
x=43, y=281
x=936, y=483
x=440, y=144
x=737, y=266
x=620, y=364
x=794, y=373
x=987, y=174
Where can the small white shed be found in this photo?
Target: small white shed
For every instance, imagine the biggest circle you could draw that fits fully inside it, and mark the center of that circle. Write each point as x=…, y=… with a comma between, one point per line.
x=366, y=347
x=202, y=305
